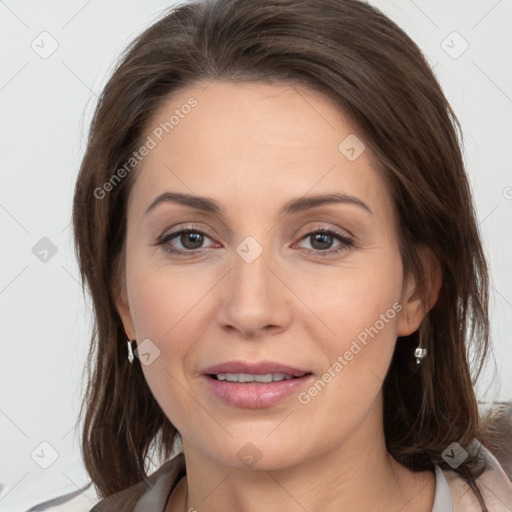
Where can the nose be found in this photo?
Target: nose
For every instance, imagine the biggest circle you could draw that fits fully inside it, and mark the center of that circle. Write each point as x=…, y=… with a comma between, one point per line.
x=255, y=298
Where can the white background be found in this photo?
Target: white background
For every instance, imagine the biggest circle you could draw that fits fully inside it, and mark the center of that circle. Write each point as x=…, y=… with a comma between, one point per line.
x=45, y=107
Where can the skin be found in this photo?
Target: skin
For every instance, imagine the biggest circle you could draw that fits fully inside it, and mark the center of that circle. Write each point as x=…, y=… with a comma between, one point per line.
x=252, y=147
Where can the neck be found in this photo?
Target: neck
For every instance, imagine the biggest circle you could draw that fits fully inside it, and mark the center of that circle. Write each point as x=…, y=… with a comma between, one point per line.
x=356, y=475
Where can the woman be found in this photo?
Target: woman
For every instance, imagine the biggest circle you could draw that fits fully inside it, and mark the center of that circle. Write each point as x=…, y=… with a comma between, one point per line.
x=276, y=227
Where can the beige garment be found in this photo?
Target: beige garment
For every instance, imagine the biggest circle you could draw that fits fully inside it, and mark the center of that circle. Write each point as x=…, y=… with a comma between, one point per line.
x=495, y=486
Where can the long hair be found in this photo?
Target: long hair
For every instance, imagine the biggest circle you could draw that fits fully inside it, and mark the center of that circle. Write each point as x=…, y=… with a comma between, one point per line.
x=356, y=56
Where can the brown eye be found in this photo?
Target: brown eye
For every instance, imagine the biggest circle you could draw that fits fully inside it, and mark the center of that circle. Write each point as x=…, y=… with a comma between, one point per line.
x=184, y=241
x=191, y=239
x=322, y=240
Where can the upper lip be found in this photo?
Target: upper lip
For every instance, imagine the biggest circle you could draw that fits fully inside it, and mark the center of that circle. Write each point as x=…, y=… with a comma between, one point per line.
x=254, y=368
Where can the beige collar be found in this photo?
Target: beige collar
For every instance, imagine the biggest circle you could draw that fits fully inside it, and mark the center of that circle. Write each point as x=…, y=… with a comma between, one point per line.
x=495, y=486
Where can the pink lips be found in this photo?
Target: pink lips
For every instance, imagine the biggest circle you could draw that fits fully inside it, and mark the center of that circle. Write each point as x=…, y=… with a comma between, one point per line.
x=254, y=395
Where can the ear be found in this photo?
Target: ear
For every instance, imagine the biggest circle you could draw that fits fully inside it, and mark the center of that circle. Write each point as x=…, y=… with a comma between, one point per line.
x=415, y=304
x=123, y=308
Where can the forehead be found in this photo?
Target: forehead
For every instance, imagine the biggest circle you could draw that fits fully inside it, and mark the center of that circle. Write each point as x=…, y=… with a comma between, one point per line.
x=244, y=143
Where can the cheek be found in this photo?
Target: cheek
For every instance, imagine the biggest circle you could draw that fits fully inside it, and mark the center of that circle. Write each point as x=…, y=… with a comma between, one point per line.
x=171, y=306
x=166, y=309
x=361, y=310
x=163, y=299
x=353, y=298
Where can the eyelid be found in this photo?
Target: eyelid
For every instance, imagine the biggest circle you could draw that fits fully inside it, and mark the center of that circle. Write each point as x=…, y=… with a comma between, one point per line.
x=345, y=242
x=178, y=228
x=173, y=233
x=325, y=226
x=314, y=229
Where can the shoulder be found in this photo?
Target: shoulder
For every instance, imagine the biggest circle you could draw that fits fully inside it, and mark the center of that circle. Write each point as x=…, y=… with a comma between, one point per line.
x=149, y=494
x=494, y=484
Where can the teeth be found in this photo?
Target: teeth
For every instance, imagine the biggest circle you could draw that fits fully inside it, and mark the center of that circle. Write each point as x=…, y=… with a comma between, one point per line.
x=247, y=377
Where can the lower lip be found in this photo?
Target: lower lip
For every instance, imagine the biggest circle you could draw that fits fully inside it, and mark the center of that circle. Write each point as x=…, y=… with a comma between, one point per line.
x=256, y=395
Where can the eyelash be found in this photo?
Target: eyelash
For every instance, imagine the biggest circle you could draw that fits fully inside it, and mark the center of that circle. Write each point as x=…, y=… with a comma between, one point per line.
x=346, y=242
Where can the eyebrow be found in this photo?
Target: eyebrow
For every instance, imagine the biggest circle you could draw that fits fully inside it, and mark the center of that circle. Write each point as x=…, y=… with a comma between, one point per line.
x=300, y=204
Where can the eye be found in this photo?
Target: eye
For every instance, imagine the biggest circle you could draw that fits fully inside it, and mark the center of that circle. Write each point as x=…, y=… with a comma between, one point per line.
x=190, y=239
x=322, y=239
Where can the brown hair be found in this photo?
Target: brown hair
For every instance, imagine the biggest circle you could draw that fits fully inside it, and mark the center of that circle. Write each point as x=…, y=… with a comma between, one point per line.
x=355, y=55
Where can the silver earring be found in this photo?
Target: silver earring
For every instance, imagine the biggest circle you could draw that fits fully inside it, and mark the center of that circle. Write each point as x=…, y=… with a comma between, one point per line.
x=130, y=351
x=419, y=354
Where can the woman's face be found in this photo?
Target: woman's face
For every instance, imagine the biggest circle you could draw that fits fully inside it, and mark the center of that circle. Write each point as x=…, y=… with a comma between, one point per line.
x=271, y=276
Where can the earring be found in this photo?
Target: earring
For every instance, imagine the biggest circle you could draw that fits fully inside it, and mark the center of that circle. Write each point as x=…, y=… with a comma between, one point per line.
x=130, y=351
x=419, y=354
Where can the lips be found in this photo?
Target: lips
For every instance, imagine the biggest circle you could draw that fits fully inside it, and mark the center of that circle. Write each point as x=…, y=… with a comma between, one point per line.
x=254, y=395
x=254, y=368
